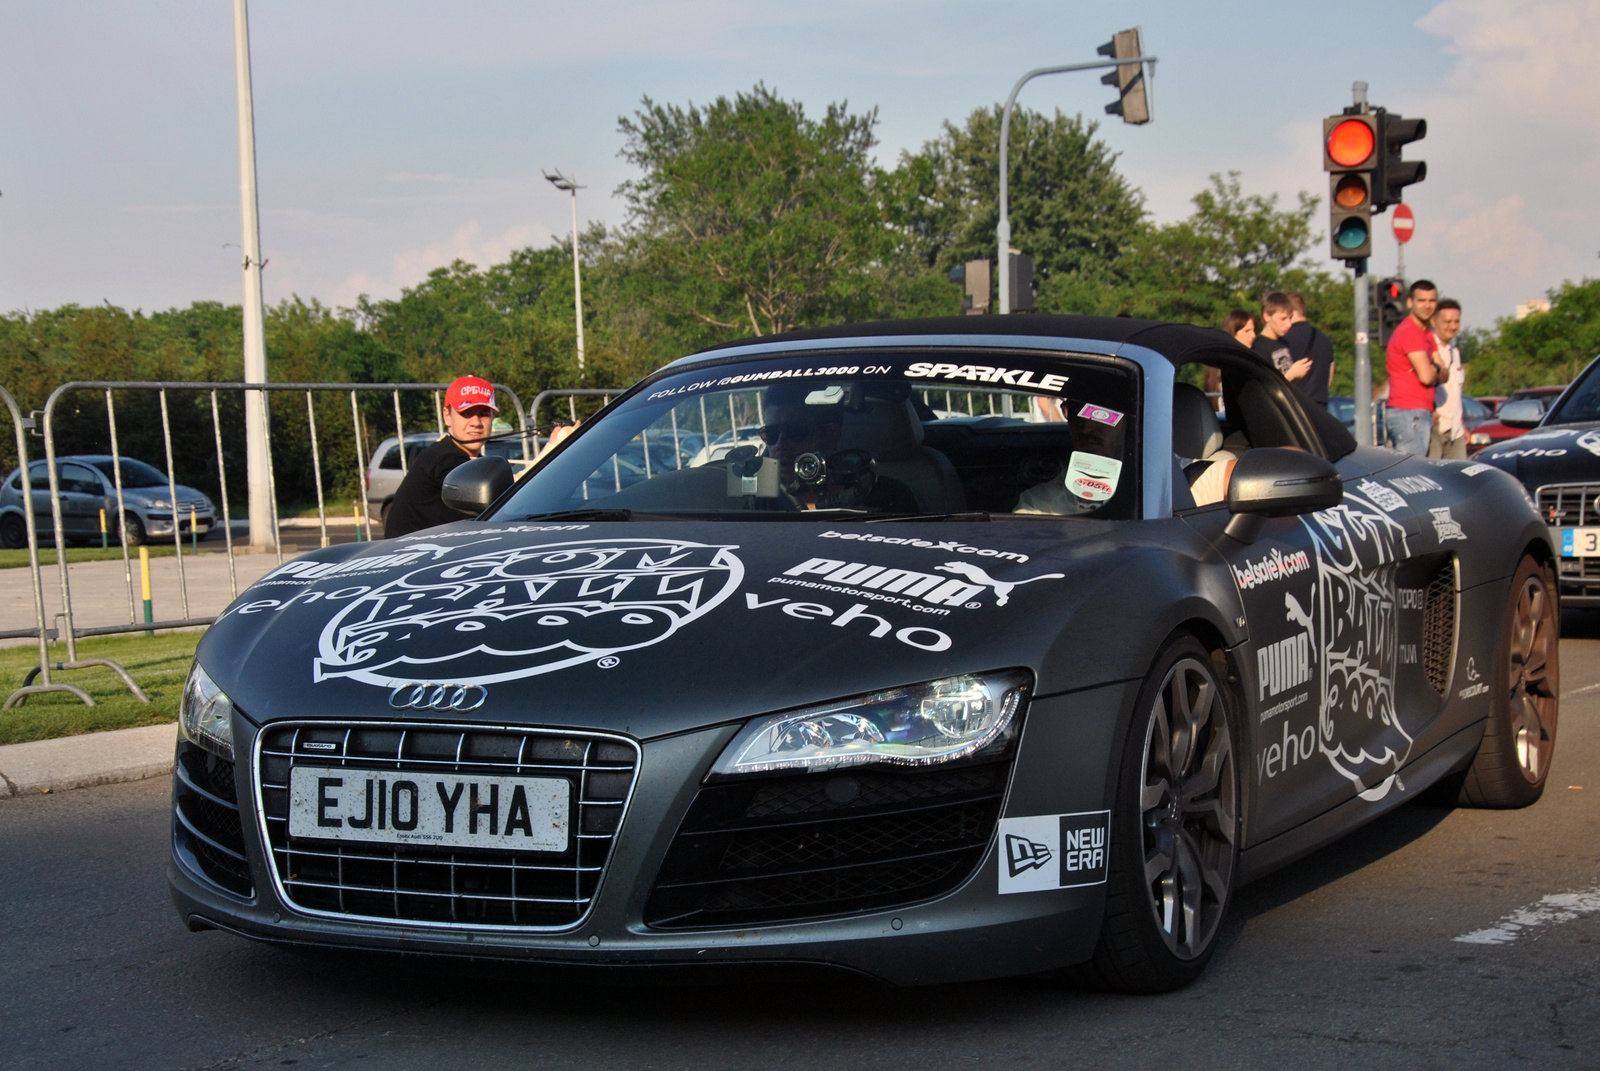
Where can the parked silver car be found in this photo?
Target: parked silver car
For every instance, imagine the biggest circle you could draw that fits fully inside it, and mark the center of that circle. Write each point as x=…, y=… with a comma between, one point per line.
x=88, y=485
x=384, y=472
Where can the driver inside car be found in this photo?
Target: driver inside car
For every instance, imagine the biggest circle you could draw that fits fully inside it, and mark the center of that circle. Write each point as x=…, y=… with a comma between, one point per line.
x=800, y=420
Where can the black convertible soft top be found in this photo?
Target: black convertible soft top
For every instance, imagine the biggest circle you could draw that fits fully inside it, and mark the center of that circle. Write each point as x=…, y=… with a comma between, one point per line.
x=1178, y=343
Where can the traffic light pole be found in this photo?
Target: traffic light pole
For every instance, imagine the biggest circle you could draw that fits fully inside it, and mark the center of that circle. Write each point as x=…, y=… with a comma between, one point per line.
x=1003, y=231
x=1363, y=370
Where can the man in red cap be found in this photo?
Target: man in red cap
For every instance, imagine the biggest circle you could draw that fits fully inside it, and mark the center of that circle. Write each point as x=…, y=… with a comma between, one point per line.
x=469, y=413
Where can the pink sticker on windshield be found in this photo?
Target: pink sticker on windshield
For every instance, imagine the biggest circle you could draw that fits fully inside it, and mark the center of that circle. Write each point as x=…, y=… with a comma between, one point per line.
x=1101, y=414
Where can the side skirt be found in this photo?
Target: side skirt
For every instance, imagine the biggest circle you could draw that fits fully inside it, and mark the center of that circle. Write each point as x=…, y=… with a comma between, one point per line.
x=1449, y=756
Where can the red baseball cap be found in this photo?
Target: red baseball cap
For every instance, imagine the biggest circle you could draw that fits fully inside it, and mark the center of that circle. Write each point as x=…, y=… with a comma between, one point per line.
x=469, y=391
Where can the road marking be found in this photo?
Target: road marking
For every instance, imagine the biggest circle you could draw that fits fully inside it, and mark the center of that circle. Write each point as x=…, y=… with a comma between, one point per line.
x=1553, y=909
x=1580, y=691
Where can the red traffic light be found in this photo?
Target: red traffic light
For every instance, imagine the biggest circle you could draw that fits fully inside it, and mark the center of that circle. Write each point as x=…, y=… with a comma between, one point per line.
x=1350, y=143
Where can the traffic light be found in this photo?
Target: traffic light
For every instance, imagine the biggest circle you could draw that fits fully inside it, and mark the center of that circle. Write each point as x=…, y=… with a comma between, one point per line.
x=1021, y=282
x=1393, y=174
x=1350, y=156
x=1391, y=295
x=1134, y=103
x=973, y=277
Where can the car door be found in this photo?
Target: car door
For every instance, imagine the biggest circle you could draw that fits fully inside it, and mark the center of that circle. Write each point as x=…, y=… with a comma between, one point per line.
x=82, y=498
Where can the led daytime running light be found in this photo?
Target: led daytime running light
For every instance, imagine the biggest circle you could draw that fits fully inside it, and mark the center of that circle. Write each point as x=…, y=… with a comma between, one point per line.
x=205, y=714
x=921, y=725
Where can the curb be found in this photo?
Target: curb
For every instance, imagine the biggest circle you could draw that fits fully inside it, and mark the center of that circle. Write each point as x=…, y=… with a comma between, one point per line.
x=42, y=766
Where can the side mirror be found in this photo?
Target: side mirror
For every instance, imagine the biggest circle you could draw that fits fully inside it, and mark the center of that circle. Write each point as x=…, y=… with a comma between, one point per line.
x=472, y=485
x=1274, y=482
x=1522, y=413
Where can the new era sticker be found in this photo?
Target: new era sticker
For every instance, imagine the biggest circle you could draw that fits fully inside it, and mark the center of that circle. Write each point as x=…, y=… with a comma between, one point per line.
x=1053, y=851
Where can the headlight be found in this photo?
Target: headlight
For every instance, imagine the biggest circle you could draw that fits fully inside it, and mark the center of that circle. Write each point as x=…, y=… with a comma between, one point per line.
x=159, y=503
x=921, y=725
x=205, y=714
x=1479, y=438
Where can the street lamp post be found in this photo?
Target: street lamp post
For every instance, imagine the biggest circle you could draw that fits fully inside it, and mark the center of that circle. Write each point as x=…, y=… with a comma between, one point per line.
x=257, y=448
x=562, y=182
x=1003, y=231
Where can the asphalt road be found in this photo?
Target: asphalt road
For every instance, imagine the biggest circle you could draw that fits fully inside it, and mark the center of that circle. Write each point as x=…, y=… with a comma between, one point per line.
x=1347, y=959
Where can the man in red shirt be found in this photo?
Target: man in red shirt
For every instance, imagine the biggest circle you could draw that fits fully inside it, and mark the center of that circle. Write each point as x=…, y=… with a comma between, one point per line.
x=1413, y=372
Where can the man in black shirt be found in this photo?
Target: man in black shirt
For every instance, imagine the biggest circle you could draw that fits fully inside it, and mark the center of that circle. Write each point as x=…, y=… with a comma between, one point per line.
x=1306, y=342
x=469, y=413
x=796, y=425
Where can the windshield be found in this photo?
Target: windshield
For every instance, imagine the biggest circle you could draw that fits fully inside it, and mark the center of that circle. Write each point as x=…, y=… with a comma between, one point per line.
x=134, y=473
x=865, y=435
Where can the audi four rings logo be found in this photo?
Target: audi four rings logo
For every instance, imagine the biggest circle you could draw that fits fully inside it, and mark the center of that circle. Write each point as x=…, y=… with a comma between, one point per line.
x=459, y=697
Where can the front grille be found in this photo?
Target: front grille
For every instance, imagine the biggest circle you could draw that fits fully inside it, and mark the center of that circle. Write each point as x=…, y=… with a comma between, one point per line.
x=812, y=845
x=1439, y=626
x=443, y=886
x=207, y=833
x=1570, y=505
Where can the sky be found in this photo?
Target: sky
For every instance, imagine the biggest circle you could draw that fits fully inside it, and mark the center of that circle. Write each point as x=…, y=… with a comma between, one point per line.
x=394, y=136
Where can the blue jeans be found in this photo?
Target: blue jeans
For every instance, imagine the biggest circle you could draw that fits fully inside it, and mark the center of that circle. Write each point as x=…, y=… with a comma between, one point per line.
x=1411, y=430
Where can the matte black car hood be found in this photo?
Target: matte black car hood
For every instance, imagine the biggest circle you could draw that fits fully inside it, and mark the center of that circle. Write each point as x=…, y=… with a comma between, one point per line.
x=1562, y=453
x=658, y=628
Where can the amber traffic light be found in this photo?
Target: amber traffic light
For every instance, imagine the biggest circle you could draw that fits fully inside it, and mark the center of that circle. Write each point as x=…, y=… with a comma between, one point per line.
x=1350, y=156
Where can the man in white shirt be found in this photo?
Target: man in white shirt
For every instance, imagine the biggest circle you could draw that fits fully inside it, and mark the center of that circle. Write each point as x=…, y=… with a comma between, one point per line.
x=1449, y=429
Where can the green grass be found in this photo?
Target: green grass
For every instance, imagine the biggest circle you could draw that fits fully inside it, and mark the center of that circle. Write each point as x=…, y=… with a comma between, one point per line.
x=18, y=559
x=160, y=663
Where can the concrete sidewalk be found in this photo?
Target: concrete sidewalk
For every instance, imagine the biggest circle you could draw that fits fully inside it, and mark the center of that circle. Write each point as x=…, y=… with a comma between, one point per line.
x=87, y=760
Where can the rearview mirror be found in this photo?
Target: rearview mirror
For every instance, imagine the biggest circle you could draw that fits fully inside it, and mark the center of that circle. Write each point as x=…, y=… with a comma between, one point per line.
x=472, y=485
x=1274, y=482
x=1522, y=413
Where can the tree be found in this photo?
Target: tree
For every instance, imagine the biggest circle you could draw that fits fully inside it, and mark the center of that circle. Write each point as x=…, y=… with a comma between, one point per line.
x=1070, y=209
x=749, y=216
x=1546, y=348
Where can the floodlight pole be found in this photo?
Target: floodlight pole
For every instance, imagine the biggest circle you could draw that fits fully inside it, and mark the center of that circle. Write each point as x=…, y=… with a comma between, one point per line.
x=1003, y=232
x=562, y=182
x=257, y=458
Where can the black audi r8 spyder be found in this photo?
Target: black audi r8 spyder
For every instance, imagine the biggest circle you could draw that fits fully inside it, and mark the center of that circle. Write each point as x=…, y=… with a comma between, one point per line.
x=1558, y=463
x=993, y=650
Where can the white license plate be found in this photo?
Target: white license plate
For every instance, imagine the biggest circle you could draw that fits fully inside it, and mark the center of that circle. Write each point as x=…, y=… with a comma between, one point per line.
x=448, y=810
x=1580, y=542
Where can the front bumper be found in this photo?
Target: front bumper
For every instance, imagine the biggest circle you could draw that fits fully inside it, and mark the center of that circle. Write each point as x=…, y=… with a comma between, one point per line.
x=971, y=932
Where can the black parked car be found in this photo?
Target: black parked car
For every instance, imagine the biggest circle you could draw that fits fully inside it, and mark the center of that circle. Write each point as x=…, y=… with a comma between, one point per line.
x=1032, y=682
x=1559, y=464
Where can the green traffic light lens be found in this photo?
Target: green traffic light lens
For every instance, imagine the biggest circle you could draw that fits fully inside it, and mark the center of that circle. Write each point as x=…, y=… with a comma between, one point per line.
x=1350, y=143
x=1352, y=234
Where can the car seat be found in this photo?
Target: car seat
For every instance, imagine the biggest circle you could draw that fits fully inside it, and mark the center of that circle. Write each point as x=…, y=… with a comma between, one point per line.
x=1197, y=441
x=891, y=432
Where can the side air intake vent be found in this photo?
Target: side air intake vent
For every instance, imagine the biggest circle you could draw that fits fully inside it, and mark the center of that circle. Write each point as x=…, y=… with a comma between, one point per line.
x=1439, y=626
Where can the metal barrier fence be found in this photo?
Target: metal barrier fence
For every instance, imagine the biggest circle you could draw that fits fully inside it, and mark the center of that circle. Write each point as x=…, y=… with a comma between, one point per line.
x=66, y=630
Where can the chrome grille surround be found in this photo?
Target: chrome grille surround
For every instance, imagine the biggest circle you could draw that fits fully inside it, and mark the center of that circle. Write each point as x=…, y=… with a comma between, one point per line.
x=1569, y=505
x=481, y=882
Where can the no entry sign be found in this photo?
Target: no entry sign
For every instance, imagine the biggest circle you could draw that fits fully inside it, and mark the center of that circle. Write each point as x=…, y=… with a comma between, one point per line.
x=1405, y=224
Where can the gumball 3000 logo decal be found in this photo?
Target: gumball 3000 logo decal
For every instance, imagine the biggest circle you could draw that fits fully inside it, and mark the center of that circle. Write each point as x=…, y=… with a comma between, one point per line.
x=520, y=612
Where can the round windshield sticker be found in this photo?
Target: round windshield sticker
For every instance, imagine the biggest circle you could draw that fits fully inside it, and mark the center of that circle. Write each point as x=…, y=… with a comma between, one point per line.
x=1091, y=477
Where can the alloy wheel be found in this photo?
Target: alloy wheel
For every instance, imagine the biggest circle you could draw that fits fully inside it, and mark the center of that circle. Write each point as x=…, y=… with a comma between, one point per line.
x=1189, y=808
x=1533, y=698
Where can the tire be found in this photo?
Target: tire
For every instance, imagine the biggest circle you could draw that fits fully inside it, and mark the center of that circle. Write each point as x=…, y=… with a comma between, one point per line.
x=1519, y=741
x=133, y=534
x=13, y=532
x=1160, y=931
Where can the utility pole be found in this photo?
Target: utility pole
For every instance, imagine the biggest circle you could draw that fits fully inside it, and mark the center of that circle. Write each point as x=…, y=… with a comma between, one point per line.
x=562, y=182
x=1125, y=51
x=258, y=460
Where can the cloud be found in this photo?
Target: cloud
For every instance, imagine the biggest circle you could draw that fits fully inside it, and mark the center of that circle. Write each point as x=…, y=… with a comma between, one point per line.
x=1496, y=239
x=411, y=266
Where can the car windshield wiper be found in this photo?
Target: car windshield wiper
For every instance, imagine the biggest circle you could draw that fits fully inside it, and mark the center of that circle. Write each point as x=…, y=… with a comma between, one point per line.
x=971, y=515
x=582, y=515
